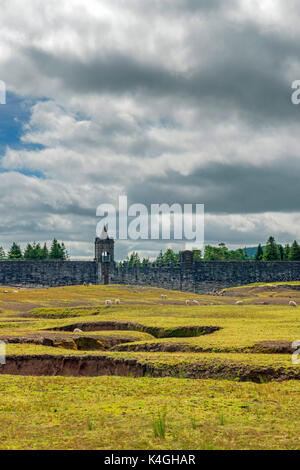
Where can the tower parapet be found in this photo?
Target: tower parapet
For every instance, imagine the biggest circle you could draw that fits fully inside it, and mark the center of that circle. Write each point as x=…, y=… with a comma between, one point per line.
x=104, y=256
x=104, y=248
x=186, y=257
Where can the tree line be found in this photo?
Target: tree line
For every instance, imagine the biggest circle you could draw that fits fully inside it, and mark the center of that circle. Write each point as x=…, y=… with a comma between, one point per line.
x=270, y=252
x=34, y=251
x=274, y=252
x=170, y=258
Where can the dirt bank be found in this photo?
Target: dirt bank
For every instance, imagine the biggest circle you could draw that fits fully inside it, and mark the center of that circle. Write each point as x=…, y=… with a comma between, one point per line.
x=180, y=332
x=273, y=347
x=90, y=366
x=75, y=341
x=265, y=347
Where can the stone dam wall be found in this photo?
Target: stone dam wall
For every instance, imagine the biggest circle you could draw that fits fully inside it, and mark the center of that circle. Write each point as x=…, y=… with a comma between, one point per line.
x=201, y=277
x=207, y=276
x=48, y=273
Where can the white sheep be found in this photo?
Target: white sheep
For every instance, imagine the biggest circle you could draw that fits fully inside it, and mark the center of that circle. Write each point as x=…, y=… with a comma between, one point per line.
x=239, y=302
x=6, y=292
x=77, y=330
x=117, y=301
x=108, y=302
x=195, y=302
x=292, y=303
x=187, y=302
x=16, y=291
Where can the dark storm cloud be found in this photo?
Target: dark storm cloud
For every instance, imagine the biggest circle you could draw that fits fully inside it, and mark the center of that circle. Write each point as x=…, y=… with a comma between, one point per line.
x=245, y=74
x=160, y=82
x=113, y=73
x=171, y=7
x=228, y=188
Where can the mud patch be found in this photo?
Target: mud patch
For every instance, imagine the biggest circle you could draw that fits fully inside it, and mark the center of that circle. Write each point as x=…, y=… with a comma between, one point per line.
x=181, y=332
x=273, y=347
x=76, y=341
x=157, y=347
x=252, y=290
x=91, y=366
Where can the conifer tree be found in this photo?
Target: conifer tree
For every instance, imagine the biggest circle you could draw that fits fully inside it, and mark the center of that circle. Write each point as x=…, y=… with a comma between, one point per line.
x=64, y=253
x=169, y=257
x=2, y=253
x=36, y=251
x=294, y=254
x=134, y=260
x=259, y=253
x=15, y=252
x=286, y=252
x=271, y=252
x=160, y=259
x=145, y=262
x=28, y=253
x=44, y=252
x=281, y=252
x=55, y=252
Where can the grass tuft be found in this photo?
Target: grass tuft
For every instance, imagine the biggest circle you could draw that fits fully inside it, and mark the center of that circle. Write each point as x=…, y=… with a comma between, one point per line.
x=159, y=425
x=221, y=419
x=90, y=425
x=193, y=422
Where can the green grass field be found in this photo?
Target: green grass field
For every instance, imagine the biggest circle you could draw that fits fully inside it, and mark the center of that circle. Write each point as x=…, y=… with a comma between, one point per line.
x=168, y=375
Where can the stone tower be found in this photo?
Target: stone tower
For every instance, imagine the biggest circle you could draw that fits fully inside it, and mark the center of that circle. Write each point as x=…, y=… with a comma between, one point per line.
x=104, y=255
x=104, y=248
x=186, y=258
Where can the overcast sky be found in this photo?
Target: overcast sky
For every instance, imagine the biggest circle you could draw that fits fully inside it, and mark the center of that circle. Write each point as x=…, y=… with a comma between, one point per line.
x=185, y=101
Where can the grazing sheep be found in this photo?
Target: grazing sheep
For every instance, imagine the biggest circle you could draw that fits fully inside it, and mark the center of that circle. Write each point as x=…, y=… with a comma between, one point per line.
x=239, y=302
x=108, y=302
x=292, y=303
x=195, y=302
x=187, y=302
x=6, y=292
x=77, y=330
x=16, y=291
x=117, y=301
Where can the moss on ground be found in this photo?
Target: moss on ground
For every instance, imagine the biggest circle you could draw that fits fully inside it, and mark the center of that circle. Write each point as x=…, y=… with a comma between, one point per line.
x=119, y=412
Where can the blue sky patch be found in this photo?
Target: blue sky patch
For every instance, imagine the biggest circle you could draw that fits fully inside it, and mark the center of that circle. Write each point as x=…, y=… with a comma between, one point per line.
x=13, y=115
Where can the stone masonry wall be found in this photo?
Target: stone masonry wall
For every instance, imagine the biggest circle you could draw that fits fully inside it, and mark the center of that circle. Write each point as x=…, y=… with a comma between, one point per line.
x=48, y=273
x=208, y=276
x=200, y=278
